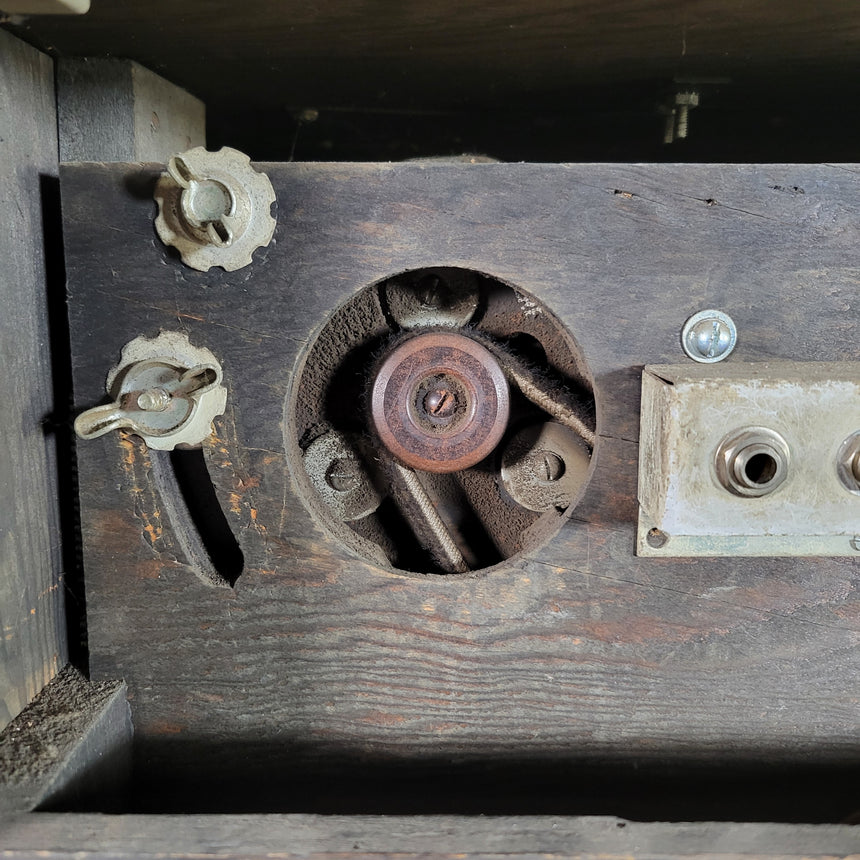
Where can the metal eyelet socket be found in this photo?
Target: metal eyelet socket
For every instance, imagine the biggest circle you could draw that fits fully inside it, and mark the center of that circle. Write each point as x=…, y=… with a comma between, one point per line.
x=848, y=463
x=752, y=462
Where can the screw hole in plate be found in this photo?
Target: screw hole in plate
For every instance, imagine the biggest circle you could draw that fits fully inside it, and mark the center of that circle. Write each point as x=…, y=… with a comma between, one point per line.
x=657, y=538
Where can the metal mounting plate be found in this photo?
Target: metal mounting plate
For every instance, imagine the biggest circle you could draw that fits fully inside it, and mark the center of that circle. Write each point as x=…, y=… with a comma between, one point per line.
x=687, y=411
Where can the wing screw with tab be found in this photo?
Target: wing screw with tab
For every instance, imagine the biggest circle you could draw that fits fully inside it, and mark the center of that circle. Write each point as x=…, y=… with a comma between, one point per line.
x=214, y=208
x=164, y=390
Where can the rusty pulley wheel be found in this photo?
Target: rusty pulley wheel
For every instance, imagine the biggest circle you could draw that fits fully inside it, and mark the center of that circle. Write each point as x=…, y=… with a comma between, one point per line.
x=441, y=421
x=440, y=402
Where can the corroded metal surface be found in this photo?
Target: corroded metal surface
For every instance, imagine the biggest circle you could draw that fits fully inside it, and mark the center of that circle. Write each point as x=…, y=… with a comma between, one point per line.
x=164, y=389
x=440, y=402
x=748, y=460
x=214, y=208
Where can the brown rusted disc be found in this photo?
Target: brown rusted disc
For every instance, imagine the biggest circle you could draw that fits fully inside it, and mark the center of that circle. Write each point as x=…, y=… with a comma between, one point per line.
x=440, y=402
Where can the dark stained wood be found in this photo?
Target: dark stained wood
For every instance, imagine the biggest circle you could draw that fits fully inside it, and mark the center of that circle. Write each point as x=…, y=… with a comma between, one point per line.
x=32, y=625
x=73, y=741
x=116, y=110
x=577, y=656
x=408, y=836
x=444, y=54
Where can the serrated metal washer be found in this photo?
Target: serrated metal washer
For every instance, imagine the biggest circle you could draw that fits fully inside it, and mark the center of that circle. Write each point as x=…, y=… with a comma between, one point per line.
x=214, y=208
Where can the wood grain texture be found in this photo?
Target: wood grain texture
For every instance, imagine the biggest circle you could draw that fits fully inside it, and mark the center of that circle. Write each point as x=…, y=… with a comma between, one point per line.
x=408, y=836
x=71, y=742
x=578, y=655
x=32, y=634
x=117, y=110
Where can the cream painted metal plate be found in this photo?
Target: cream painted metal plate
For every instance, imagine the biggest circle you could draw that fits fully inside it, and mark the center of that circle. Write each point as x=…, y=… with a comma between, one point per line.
x=47, y=7
x=687, y=413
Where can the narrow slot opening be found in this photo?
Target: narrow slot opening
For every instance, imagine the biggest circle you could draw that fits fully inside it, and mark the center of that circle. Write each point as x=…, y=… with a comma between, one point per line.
x=206, y=514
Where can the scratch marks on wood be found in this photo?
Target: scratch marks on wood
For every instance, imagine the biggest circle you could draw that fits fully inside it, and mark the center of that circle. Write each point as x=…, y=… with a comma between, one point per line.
x=762, y=609
x=136, y=465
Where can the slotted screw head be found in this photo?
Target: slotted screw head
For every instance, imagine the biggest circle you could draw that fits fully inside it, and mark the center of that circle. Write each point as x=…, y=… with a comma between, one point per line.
x=440, y=402
x=549, y=467
x=433, y=292
x=709, y=336
x=343, y=475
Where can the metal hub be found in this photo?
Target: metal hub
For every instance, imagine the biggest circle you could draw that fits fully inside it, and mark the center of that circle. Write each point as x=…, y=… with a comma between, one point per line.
x=440, y=422
x=440, y=402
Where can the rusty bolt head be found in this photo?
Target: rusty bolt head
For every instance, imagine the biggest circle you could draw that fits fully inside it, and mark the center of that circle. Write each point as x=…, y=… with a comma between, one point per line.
x=343, y=475
x=440, y=402
x=544, y=466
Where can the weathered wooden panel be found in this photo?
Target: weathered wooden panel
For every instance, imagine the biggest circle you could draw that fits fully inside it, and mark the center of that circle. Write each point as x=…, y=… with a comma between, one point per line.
x=578, y=655
x=409, y=836
x=116, y=110
x=70, y=744
x=32, y=625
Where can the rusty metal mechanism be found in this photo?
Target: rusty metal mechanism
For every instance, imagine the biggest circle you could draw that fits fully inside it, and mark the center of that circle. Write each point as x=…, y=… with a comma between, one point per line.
x=442, y=421
x=440, y=402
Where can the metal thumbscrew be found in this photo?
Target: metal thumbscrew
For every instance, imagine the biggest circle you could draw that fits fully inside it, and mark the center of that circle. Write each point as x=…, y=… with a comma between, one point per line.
x=205, y=203
x=214, y=208
x=164, y=390
x=709, y=336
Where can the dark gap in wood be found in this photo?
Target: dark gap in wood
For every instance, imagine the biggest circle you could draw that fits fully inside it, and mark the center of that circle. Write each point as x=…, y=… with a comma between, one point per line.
x=408, y=552
x=188, y=775
x=725, y=129
x=58, y=425
x=475, y=539
x=528, y=348
x=206, y=514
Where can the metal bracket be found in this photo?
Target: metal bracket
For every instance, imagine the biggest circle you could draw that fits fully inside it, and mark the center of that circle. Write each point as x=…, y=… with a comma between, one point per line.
x=749, y=460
